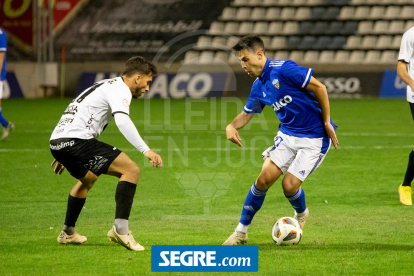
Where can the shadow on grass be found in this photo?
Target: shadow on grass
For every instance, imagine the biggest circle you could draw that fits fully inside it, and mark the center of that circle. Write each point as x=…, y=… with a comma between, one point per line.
x=342, y=247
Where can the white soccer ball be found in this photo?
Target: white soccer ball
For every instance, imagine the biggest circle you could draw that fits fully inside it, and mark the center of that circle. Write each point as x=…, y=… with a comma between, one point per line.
x=286, y=231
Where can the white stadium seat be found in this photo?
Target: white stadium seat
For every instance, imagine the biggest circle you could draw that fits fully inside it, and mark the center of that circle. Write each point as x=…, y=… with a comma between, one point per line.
x=258, y=14
x=327, y=57
x=216, y=27
x=356, y=57
x=303, y=13
x=272, y=13
x=396, y=27
x=221, y=57
x=281, y=55
x=206, y=57
x=407, y=12
x=275, y=28
x=377, y=12
x=191, y=57
x=408, y=25
x=389, y=57
x=231, y=28
x=246, y=28
x=381, y=27
x=384, y=42
x=266, y=41
x=228, y=13
x=278, y=42
x=243, y=14
x=219, y=42
x=392, y=12
x=361, y=12
x=353, y=42
x=368, y=42
x=311, y=57
x=296, y=56
x=365, y=27
x=396, y=42
x=291, y=28
x=204, y=42
x=269, y=2
x=260, y=28
x=240, y=2
x=347, y=13
x=287, y=13
x=341, y=57
x=372, y=57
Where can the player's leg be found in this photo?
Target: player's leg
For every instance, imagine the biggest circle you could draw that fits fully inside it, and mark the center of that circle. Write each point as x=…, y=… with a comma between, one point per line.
x=254, y=201
x=404, y=190
x=7, y=126
x=128, y=173
x=296, y=196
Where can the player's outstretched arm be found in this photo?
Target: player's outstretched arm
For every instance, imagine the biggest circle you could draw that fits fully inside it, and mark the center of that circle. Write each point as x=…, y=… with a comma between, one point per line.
x=130, y=132
x=240, y=121
x=403, y=74
x=321, y=95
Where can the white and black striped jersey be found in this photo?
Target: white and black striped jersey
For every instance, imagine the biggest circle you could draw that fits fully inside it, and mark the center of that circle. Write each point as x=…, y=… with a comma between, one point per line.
x=407, y=55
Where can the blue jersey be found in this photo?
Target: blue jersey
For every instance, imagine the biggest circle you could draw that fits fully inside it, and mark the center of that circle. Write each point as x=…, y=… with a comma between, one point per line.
x=282, y=85
x=3, y=48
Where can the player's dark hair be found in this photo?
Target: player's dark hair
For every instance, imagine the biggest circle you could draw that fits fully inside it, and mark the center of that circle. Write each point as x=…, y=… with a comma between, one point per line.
x=139, y=65
x=249, y=43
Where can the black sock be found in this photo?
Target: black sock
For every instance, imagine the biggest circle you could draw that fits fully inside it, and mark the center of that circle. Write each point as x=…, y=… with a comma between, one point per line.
x=124, y=197
x=75, y=206
x=409, y=175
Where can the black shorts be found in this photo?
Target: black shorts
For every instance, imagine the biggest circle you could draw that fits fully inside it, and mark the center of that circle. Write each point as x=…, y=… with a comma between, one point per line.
x=82, y=155
x=412, y=109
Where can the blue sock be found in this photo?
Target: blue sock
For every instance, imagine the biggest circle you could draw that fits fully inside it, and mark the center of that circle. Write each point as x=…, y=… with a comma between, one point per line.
x=254, y=201
x=298, y=200
x=3, y=121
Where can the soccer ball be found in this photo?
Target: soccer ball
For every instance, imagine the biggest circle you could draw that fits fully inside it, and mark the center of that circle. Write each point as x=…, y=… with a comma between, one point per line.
x=286, y=231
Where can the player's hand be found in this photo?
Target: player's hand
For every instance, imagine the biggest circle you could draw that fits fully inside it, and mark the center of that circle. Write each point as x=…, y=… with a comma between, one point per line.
x=154, y=158
x=59, y=167
x=331, y=133
x=233, y=135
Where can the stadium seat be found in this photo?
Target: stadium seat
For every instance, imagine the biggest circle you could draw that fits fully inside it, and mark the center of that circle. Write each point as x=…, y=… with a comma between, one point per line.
x=228, y=14
x=337, y=2
x=317, y=13
x=308, y=42
x=266, y=41
x=231, y=28
x=303, y=13
x=231, y=41
x=299, y=2
x=287, y=14
x=365, y=27
x=322, y=42
x=389, y=57
x=296, y=56
x=272, y=13
x=338, y=42
x=243, y=14
x=377, y=12
x=240, y=2
x=246, y=28
x=353, y=42
x=372, y=57
x=314, y=2
x=356, y=57
x=206, y=57
x=368, y=42
x=396, y=42
x=311, y=57
x=278, y=42
x=191, y=57
x=350, y=28
x=331, y=13
x=396, y=27
x=284, y=3
x=269, y=2
x=341, y=57
x=335, y=28
x=258, y=14
x=319, y=28
x=233, y=60
x=373, y=2
x=381, y=27
x=408, y=25
x=361, y=12
x=290, y=28
x=346, y=13
x=275, y=28
x=219, y=42
x=392, y=12
x=387, y=2
x=255, y=3
x=204, y=42
x=260, y=28
x=305, y=27
x=384, y=42
x=281, y=55
x=220, y=57
x=216, y=27
x=293, y=42
x=407, y=12
x=327, y=57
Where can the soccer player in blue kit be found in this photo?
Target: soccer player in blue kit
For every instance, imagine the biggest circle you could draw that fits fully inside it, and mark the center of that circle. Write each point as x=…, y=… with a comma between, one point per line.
x=305, y=134
x=7, y=126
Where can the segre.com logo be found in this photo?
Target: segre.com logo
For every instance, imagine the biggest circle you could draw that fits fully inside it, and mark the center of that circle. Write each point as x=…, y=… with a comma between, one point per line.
x=204, y=258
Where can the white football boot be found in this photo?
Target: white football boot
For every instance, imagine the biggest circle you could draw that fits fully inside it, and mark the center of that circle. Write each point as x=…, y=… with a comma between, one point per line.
x=301, y=217
x=236, y=238
x=64, y=238
x=126, y=241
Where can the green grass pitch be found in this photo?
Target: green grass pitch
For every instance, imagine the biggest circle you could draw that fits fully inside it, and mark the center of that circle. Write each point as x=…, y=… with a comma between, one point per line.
x=356, y=226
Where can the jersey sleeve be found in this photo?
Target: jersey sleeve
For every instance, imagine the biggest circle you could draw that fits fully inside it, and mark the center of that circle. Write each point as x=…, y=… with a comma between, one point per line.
x=406, y=48
x=3, y=41
x=297, y=75
x=119, y=100
x=253, y=105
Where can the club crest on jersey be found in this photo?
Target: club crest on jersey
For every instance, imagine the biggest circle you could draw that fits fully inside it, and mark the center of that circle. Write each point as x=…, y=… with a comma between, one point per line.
x=275, y=83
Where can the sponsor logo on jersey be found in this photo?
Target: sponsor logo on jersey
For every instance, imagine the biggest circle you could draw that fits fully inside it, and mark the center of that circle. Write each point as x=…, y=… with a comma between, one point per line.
x=125, y=102
x=275, y=83
x=282, y=102
x=62, y=145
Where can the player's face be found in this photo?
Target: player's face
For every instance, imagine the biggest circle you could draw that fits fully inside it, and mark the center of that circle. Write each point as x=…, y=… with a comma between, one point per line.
x=251, y=61
x=142, y=83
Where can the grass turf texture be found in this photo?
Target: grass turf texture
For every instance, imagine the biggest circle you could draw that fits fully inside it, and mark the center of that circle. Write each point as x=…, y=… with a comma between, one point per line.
x=356, y=226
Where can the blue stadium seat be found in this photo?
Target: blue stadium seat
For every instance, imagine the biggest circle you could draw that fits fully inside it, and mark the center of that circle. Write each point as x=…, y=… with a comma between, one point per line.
x=317, y=13
x=337, y=42
x=305, y=28
x=335, y=28
x=293, y=42
x=322, y=42
x=319, y=28
x=331, y=13
x=308, y=42
x=350, y=27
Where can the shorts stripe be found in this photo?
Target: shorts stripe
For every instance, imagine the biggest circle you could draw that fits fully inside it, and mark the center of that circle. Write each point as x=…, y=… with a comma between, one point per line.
x=325, y=144
x=317, y=163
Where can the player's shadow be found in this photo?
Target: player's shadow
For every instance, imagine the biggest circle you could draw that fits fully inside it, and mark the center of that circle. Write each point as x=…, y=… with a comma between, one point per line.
x=341, y=247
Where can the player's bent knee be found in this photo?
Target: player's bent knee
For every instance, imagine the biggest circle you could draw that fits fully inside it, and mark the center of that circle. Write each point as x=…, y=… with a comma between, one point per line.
x=133, y=172
x=264, y=181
